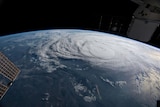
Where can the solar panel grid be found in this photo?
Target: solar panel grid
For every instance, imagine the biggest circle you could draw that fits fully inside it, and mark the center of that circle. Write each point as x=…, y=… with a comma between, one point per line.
x=9, y=71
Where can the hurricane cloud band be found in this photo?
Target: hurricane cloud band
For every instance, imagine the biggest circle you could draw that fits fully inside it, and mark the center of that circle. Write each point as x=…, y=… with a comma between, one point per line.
x=102, y=49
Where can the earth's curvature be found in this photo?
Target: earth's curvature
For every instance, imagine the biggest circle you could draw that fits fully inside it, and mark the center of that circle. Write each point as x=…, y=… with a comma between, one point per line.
x=81, y=68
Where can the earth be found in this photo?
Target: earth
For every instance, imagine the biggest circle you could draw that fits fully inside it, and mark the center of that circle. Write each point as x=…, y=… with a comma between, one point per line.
x=81, y=68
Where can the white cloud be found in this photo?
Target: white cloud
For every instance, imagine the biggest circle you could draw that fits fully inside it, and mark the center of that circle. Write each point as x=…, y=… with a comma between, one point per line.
x=89, y=98
x=80, y=87
x=84, y=92
x=114, y=83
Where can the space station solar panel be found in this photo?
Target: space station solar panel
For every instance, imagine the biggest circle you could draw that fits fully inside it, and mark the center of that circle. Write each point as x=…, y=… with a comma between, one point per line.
x=8, y=73
x=3, y=90
x=7, y=68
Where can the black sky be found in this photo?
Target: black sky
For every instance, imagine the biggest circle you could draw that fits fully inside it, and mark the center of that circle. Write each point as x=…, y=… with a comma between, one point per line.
x=25, y=15
x=28, y=15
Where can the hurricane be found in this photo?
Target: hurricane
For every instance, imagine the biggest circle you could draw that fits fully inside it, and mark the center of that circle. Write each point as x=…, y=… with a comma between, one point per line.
x=101, y=49
x=73, y=67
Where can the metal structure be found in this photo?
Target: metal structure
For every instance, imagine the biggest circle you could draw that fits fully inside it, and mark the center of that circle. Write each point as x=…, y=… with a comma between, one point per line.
x=8, y=73
x=146, y=17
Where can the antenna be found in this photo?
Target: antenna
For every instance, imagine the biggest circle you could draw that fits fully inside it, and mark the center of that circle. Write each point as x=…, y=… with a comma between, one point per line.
x=100, y=22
